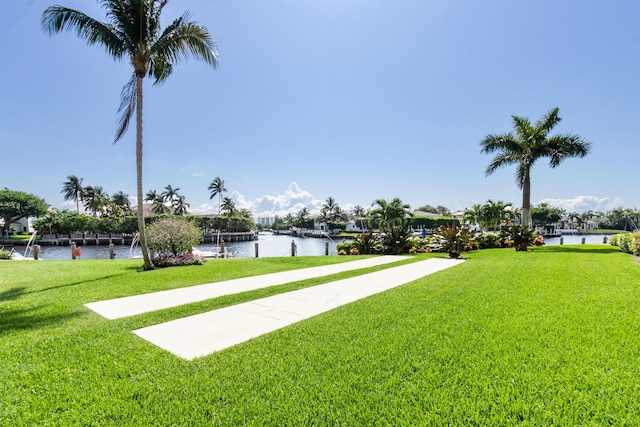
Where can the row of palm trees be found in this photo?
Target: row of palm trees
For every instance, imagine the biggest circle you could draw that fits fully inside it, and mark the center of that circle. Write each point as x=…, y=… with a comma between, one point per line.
x=97, y=201
x=384, y=215
x=94, y=198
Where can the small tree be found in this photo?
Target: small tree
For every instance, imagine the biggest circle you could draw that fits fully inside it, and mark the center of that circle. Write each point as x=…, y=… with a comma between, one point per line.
x=15, y=205
x=173, y=235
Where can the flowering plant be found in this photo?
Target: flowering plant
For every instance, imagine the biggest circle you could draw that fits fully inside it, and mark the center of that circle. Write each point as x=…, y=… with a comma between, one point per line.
x=178, y=260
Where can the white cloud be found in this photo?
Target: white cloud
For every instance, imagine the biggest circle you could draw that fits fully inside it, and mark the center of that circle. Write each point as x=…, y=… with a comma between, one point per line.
x=292, y=201
x=585, y=203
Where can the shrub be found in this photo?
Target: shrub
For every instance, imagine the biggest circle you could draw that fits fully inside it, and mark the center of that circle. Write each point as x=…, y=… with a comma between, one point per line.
x=455, y=239
x=521, y=237
x=173, y=235
x=627, y=242
x=345, y=247
x=396, y=242
x=490, y=240
x=5, y=254
x=179, y=260
x=538, y=241
x=368, y=243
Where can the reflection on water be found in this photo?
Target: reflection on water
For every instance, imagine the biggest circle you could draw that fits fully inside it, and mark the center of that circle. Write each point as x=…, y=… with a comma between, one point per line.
x=269, y=245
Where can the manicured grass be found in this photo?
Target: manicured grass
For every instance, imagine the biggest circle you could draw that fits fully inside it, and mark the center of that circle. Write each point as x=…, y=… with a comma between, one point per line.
x=547, y=337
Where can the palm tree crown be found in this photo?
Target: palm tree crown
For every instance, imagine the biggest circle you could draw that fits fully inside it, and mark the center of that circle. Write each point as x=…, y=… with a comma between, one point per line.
x=216, y=188
x=528, y=144
x=73, y=190
x=390, y=214
x=133, y=32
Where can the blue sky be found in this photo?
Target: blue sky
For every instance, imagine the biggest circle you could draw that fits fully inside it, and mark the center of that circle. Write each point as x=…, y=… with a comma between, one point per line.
x=354, y=99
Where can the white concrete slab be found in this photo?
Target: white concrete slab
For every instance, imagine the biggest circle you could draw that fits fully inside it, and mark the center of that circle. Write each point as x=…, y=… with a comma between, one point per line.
x=203, y=334
x=138, y=304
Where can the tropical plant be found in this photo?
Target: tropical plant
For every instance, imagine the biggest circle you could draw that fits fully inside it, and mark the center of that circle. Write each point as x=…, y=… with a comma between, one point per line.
x=390, y=215
x=228, y=206
x=72, y=190
x=455, y=239
x=369, y=243
x=473, y=216
x=134, y=32
x=520, y=237
x=303, y=217
x=395, y=241
x=216, y=188
x=121, y=200
x=170, y=194
x=95, y=199
x=528, y=144
x=329, y=207
x=359, y=215
x=180, y=205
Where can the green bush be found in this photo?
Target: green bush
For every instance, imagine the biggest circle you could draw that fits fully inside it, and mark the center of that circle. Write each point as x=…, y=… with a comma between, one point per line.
x=172, y=236
x=490, y=240
x=5, y=254
x=627, y=242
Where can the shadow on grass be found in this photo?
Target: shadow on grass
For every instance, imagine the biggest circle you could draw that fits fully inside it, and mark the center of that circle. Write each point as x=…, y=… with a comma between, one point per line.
x=29, y=319
x=82, y=282
x=11, y=294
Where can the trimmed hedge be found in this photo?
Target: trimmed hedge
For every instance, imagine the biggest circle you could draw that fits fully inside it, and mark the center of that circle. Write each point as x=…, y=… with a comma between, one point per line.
x=627, y=242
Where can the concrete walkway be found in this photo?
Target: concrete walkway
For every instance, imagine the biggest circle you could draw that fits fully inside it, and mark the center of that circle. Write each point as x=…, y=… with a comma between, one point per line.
x=138, y=304
x=203, y=334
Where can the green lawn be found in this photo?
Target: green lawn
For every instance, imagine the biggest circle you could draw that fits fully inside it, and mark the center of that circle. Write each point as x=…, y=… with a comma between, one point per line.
x=547, y=337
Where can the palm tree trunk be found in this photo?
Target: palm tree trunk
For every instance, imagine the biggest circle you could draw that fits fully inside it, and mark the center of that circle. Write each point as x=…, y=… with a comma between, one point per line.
x=143, y=237
x=526, y=201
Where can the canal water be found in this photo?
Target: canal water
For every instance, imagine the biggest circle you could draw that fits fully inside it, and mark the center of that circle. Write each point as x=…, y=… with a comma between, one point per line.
x=269, y=245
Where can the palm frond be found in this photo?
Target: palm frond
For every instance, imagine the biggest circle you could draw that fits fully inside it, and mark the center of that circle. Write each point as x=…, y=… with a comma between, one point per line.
x=180, y=41
x=504, y=158
x=127, y=106
x=566, y=145
x=549, y=120
x=56, y=19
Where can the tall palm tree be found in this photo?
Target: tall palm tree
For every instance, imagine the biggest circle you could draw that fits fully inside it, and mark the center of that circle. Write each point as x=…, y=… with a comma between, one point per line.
x=474, y=215
x=134, y=33
x=73, y=190
x=216, y=188
x=302, y=217
x=228, y=206
x=359, y=214
x=528, y=144
x=180, y=205
x=121, y=200
x=95, y=199
x=157, y=200
x=170, y=193
x=330, y=206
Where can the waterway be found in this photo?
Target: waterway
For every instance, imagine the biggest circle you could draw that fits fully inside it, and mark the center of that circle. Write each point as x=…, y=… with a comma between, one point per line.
x=269, y=245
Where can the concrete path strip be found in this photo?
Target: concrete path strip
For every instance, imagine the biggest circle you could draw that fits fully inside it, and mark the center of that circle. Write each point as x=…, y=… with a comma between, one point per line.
x=202, y=334
x=138, y=304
